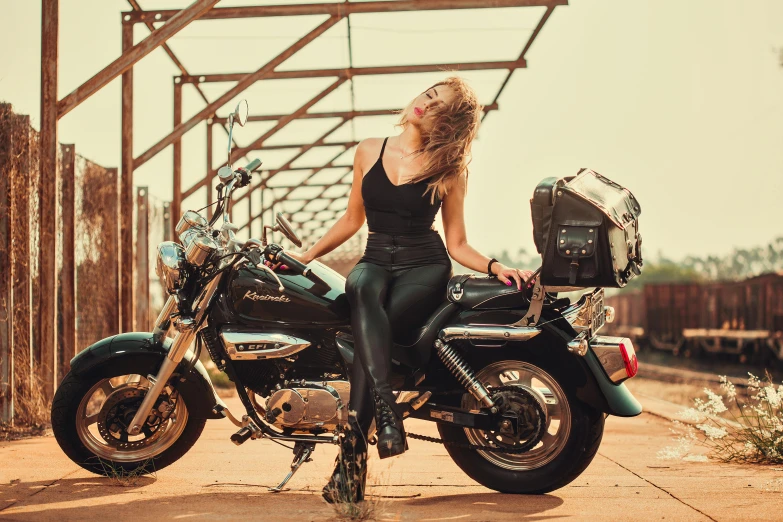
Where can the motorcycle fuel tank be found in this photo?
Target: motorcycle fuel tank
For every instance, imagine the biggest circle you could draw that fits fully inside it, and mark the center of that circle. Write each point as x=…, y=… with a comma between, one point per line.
x=253, y=297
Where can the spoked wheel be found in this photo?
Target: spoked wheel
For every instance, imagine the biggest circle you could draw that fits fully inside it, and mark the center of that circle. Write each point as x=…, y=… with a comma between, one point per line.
x=557, y=439
x=90, y=420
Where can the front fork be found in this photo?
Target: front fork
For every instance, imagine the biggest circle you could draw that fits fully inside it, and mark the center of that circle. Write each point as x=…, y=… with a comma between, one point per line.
x=187, y=330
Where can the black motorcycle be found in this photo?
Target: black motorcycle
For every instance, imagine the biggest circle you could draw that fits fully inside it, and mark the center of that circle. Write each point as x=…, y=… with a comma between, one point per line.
x=517, y=381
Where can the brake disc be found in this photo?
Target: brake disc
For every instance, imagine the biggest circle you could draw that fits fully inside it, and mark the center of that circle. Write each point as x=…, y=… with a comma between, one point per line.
x=117, y=412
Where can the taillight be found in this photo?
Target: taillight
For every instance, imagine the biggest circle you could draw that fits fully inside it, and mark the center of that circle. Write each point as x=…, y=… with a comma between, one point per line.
x=629, y=357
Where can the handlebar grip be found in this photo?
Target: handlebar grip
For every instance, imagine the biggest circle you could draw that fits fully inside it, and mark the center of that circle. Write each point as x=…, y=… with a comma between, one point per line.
x=293, y=264
x=253, y=165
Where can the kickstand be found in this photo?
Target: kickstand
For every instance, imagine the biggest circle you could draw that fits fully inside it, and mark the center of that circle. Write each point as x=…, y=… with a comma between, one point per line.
x=302, y=452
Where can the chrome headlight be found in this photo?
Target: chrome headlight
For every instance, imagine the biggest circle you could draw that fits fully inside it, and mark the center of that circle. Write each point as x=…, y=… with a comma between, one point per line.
x=171, y=265
x=198, y=248
x=190, y=219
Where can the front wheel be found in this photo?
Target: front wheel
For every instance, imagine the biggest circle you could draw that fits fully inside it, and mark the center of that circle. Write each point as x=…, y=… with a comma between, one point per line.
x=90, y=416
x=568, y=433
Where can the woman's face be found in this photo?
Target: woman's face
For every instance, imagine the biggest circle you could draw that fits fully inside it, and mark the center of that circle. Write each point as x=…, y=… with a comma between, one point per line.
x=426, y=105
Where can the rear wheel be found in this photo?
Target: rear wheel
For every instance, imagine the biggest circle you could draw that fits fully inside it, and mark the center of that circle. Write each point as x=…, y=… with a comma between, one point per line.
x=565, y=444
x=90, y=417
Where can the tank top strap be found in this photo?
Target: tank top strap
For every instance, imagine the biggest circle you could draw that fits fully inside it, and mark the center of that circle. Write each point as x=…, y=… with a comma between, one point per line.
x=383, y=147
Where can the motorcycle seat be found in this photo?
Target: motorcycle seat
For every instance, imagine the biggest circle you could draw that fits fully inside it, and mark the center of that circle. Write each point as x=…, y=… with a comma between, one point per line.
x=484, y=293
x=415, y=348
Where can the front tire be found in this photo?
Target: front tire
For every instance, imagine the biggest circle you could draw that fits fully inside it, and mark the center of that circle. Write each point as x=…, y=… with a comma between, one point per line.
x=88, y=415
x=574, y=432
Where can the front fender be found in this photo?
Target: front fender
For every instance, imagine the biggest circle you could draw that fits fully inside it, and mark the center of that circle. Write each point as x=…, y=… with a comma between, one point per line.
x=135, y=353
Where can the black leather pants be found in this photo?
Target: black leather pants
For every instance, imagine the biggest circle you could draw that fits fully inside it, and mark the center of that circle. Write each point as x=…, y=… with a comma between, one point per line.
x=394, y=287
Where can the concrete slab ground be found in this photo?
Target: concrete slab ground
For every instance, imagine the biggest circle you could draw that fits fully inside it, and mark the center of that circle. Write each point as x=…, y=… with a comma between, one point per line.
x=216, y=479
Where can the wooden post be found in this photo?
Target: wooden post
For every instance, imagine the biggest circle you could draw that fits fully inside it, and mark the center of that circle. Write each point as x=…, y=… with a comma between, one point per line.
x=126, y=192
x=47, y=318
x=68, y=274
x=142, y=260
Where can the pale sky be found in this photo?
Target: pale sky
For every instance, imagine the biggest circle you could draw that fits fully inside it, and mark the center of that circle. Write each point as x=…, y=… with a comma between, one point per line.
x=680, y=101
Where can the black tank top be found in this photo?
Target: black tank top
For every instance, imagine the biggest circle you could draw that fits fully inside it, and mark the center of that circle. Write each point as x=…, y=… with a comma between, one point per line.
x=396, y=209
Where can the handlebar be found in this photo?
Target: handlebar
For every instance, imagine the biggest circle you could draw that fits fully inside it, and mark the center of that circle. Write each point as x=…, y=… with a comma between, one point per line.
x=293, y=264
x=253, y=165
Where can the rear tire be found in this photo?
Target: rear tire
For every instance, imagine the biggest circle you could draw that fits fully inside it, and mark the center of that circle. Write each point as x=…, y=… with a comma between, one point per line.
x=573, y=454
x=66, y=414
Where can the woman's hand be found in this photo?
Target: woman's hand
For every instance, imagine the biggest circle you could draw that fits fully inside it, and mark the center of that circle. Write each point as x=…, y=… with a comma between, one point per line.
x=303, y=257
x=506, y=274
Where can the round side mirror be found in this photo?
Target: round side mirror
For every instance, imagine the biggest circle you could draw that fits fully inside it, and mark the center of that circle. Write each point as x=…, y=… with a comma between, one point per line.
x=287, y=229
x=225, y=173
x=240, y=113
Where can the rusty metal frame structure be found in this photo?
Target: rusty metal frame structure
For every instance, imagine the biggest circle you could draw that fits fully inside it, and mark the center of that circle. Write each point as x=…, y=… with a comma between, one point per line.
x=174, y=20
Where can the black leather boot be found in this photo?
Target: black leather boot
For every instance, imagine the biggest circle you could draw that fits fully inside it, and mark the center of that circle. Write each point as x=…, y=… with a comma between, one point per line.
x=389, y=428
x=349, y=477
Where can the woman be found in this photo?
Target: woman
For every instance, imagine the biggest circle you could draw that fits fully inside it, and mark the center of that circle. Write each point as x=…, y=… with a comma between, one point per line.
x=399, y=184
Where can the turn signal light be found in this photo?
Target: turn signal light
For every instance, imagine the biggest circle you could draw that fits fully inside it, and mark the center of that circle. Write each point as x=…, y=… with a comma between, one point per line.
x=609, y=314
x=629, y=357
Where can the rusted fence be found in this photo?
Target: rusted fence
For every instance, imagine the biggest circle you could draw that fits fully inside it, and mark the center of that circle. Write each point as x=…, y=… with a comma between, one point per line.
x=87, y=264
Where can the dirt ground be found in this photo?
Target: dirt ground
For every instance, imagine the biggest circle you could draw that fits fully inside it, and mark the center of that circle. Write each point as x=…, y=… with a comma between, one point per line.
x=626, y=481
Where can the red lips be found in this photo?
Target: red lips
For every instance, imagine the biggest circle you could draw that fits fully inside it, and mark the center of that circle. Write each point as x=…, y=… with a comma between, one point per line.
x=418, y=112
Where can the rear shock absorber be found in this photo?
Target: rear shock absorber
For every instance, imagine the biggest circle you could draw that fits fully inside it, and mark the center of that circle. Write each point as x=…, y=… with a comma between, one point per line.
x=464, y=373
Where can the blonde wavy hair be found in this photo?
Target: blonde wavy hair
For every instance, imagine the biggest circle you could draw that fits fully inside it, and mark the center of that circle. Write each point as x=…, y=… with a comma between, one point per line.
x=447, y=144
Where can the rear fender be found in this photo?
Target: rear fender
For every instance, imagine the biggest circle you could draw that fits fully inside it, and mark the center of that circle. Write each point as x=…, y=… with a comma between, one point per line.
x=135, y=353
x=584, y=374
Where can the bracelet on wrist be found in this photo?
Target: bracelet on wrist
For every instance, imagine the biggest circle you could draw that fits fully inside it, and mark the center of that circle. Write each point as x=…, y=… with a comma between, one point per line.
x=489, y=266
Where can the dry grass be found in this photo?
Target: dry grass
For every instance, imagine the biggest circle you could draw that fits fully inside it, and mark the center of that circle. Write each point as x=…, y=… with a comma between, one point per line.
x=733, y=427
x=119, y=476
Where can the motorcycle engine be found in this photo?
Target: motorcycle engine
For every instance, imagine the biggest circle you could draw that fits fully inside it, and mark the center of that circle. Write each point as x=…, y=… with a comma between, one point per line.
x=311, y=405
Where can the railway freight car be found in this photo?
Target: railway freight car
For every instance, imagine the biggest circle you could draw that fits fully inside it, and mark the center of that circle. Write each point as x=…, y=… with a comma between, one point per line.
x=671, y=309
x=630, y=316
x=744, y=318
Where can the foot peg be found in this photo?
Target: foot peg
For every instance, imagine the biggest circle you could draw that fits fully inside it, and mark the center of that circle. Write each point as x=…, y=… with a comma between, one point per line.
x=249, y=431
x=241, y=436
x=302, y=452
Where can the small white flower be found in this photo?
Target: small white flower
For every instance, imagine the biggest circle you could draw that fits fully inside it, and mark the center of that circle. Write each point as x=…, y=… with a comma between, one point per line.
x=695, y=458
x=728, y=387
x=713, y=432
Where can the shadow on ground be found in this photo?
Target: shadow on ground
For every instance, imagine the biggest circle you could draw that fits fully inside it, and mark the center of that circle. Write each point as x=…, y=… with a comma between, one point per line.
x=102, y=498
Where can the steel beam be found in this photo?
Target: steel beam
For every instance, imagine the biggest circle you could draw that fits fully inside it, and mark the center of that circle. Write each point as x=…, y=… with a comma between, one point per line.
x=242, y=84
x=529, y=43
x=314, y=145
x=302, y=151
x=68, y=275
x=133, y=54
x=136, y=7
x=142, y=260
x=210, y=146
x=286, y=167
x=341, y=9
x=364, y=71
x=48, y=222
x=334, y=114
x=238, y=153
x=126, y=258
x=176, y=201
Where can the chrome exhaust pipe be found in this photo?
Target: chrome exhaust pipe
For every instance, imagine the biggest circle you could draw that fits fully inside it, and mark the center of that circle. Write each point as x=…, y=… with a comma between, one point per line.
x=489, y=332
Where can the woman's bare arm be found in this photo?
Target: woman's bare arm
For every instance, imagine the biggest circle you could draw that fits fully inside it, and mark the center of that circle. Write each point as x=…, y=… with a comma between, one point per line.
x=453, y=214
x=353, y=218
